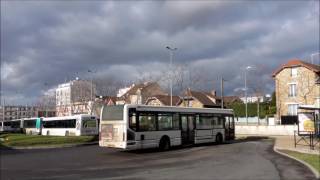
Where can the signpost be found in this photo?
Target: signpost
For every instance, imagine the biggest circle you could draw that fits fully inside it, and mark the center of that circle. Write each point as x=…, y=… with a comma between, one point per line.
x=306, y=123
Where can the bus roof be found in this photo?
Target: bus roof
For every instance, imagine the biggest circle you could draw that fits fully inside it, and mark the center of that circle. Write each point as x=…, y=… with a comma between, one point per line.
x=67, y=117
x=171, y=109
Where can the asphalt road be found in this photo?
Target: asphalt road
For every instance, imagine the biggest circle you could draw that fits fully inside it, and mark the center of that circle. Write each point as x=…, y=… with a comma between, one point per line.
x=244, y=160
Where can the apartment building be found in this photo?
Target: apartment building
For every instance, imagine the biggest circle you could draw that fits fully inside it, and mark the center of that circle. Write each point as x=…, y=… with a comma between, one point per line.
x=75, y=97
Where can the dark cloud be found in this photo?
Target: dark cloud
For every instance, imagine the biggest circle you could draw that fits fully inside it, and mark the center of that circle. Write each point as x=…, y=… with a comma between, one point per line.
x=46, y=43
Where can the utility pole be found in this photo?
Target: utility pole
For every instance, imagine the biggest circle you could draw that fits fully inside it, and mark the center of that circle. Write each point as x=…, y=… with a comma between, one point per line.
x=222, y=88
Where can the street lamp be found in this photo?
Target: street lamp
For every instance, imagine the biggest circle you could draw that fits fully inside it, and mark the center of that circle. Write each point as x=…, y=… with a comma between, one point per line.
x=171, y=56
x=245, y=90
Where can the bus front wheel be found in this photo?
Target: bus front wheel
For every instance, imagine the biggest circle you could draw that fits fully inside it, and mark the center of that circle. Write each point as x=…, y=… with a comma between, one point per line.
x=164, y=144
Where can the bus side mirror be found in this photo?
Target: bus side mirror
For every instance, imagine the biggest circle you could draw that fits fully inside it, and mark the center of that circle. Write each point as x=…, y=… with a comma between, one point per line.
x=142, y=137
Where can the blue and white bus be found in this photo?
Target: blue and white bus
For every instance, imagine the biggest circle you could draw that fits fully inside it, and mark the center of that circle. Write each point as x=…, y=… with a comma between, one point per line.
x=140, y=126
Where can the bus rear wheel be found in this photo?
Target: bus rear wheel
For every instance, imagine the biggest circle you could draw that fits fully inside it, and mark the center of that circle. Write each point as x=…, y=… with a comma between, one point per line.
x=164, y=144
x=219, y=139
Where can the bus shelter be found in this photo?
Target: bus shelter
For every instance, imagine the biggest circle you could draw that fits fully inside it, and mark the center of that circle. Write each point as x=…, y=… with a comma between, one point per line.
x=308, y=131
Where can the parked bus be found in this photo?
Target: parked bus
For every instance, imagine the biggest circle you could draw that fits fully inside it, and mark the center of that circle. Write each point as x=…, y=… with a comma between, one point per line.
x=139, y=126
x=32, y=126
x=76, y=125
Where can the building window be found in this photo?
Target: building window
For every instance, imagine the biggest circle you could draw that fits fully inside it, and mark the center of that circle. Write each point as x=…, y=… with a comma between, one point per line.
x=294, y=72
x=292, y=90
x=293, y=109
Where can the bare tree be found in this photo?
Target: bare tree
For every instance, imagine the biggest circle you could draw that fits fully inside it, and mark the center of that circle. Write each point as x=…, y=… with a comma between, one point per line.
x=47, y=102
x=307, y=85
x=107, y=86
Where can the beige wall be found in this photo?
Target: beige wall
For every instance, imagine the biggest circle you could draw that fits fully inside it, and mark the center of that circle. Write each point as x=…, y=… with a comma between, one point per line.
x=307, y=90
x=154, y=102
x=194, y=104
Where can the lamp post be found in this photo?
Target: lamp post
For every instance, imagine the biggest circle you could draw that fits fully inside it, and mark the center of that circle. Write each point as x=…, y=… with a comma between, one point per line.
x=171, y=57
x=245, y=90
x=46, y=96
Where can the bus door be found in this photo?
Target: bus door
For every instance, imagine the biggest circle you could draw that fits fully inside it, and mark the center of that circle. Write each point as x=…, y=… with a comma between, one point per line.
x=229, y=128
x=187, y=129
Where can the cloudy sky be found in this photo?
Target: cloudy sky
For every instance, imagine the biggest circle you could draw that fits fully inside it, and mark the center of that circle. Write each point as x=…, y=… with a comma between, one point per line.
x=47, y=43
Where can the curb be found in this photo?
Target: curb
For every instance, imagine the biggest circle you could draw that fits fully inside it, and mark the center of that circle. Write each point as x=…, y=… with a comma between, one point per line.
x=314, y=171
x=51, y=147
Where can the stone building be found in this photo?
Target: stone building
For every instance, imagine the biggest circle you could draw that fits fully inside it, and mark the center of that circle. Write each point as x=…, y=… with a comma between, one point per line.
x=10, y=112
x=197, y=99
x=139, y=93
x=296, y=83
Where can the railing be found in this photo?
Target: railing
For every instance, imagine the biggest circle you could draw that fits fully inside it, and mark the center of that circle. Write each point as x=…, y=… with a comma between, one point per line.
x=308, y=137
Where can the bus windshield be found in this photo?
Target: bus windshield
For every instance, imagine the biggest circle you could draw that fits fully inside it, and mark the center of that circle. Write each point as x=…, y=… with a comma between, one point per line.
x=112, y=113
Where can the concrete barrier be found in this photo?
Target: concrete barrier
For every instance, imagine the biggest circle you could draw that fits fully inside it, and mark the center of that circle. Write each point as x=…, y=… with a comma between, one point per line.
x=277, y=130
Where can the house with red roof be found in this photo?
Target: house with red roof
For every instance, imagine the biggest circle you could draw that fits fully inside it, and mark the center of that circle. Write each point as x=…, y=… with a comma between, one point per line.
x=296, y=83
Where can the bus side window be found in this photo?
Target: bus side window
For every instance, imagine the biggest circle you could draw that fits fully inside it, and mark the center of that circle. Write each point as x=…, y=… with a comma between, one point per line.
x=175, y=122
x=205, y=121
x=165, y=121
x=133, y=121
x=147, y=122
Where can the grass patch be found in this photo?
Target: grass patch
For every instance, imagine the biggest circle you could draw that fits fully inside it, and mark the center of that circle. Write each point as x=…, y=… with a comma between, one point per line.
x=312, y=159
x=15, y=139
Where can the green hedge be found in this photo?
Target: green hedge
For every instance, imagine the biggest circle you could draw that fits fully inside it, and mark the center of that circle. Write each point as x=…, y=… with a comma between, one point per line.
x=265, y=109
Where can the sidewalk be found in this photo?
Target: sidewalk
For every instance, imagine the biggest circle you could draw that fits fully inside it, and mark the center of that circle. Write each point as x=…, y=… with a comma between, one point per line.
x=287, y=142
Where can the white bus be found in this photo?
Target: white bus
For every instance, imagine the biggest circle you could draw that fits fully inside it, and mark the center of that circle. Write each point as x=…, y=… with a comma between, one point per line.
x=76, y=125
x=31, y=126
x=140, y=126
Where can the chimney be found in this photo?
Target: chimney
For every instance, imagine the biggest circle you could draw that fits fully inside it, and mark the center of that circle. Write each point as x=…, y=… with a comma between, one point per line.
x=213, y=92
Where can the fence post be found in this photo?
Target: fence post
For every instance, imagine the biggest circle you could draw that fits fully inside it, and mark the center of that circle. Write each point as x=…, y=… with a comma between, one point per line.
x=294, y=135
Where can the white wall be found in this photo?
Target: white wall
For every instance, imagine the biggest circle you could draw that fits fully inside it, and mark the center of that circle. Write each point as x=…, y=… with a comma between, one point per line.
x=265, y=130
